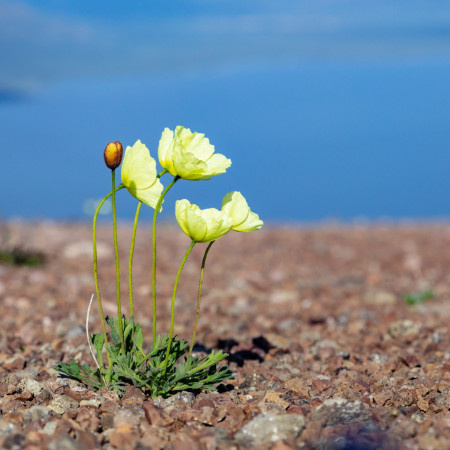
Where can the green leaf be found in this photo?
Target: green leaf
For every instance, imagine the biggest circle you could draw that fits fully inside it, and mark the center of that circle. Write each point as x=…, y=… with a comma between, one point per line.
x=138, y=336
x=419, y=297
x=146, y=371
x=98, y=340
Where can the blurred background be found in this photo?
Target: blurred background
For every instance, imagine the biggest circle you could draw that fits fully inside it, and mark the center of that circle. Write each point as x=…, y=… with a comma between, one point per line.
x=329, y=110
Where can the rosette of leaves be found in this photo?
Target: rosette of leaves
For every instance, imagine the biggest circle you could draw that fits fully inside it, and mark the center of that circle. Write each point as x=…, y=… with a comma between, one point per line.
x=147, y=371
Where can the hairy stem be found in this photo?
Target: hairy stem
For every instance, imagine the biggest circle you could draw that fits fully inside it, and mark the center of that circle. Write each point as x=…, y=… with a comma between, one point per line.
x=130, y=261
x=94, y=244
x=116, y=253
x=202, y=271
x=160, y=174
x=172, y=307
x=155, y=214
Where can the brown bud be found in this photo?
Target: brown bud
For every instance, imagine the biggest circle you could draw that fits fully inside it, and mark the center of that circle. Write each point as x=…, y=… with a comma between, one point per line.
x=113, y=154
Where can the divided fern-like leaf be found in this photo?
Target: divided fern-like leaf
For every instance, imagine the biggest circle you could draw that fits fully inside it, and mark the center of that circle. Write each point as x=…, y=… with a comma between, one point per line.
x=146, y=370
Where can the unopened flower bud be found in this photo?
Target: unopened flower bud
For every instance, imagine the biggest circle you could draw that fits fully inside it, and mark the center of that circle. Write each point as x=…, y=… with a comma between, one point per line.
x=113, y=154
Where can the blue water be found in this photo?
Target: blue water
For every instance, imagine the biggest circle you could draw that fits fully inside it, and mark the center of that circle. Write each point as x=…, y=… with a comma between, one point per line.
x=308, y=142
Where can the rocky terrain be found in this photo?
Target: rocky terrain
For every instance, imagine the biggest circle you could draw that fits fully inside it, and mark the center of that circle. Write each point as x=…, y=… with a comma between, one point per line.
x=327, y=348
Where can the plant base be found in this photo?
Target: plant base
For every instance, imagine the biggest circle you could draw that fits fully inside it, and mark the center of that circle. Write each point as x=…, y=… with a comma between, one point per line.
x=146, y=370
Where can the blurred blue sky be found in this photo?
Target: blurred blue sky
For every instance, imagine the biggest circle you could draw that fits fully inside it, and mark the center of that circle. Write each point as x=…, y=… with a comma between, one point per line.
x=328, y=109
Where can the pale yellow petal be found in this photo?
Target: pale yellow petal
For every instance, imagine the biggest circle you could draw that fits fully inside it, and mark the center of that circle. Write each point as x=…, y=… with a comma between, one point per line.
x=189, y=220
x=235, y=205
x=201, y=225
x=199, y=145
x=218, y=224
x=250, y=224
x=217, y=164
x=182, y=133
x=190, y=155
x=150, y=196
x=186, y=165
x=165, y=150
x=196, y=226
x=138, y=167
x=180, y=214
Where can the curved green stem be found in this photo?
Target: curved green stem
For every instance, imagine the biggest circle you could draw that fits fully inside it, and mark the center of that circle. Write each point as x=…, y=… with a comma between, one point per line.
x=157, y=208
x=130, y=261
x=202, y=271
x=160, y=174
x=94, y=244
x=172, y=307
x=116, y=252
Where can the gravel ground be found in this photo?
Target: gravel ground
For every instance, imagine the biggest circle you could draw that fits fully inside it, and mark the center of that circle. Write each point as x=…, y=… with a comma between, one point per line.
x=327, y=354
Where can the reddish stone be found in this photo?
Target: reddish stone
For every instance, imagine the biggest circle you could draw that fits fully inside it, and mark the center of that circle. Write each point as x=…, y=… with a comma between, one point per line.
x=88, y=419
x=156, y=416
x=14, y=364
x=293, y=409
x=87, y=440
x=124, y=438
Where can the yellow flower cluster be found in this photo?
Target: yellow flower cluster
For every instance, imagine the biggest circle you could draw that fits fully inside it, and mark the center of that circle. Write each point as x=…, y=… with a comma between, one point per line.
x=189, y=156
x=206, y=225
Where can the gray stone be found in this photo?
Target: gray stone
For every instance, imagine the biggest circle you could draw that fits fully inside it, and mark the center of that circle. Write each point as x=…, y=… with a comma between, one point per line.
x=75, y=332
x=50, y=427
x=323, y=344
x=403, y=328
x=383, y=298
x=46, y=349
x=65, y=325
x=62, y=403
x=14, y=441
x=71, y=383
x=32, y=386
x=181, y=400
x=83, y=250
x=437, y=337
x=29, y=372
x=128, y=416
x=340, y=411
x=37, y=412
x=64, y=442
x=266, y=428
x=95, y=402
x=7, y=427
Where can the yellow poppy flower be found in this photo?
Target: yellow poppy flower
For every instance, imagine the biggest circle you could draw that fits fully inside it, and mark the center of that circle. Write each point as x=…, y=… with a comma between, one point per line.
x=190, y=155
x=202, y=225
x=139, y=174
x=235, y=206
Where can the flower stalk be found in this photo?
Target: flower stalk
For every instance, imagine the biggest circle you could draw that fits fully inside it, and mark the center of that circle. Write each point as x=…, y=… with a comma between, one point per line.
x=200, y=286
x=95, y=259
x=116, y=254
x=172, y=306
x=155, y=214
x=130, y=261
